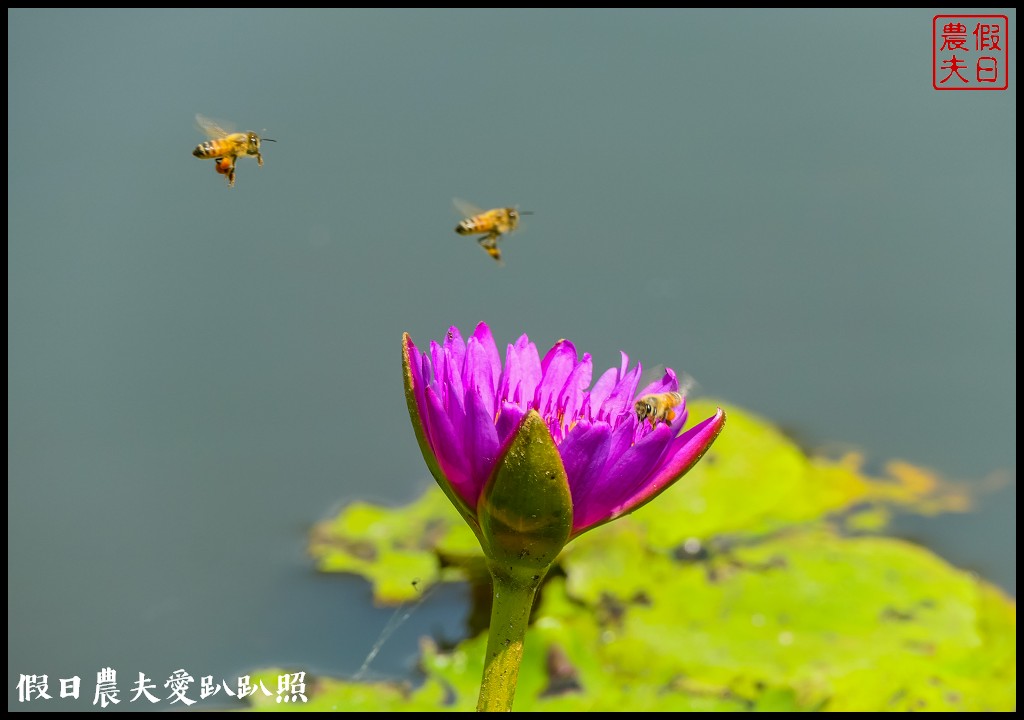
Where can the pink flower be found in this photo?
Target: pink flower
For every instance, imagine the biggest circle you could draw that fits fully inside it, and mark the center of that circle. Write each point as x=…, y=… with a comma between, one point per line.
x=466, y=409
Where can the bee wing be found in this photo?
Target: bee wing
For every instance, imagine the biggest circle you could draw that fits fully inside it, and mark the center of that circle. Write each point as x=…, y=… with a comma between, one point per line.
x=211, y=128
x=688, y=385
x=466, y=209
x=659, y=379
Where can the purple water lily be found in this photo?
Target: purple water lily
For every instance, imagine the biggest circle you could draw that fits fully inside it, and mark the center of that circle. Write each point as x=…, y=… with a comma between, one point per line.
x=466, y=409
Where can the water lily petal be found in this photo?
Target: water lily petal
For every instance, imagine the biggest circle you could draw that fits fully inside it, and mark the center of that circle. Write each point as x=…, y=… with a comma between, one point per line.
x=447, y=388
x=529, y=368
x=416, y=368
x=620, y=439
x=482, y=335
x=481, y=441
x=479, y=375
x=522, y=372
x=609, y=490
x=509, y=417
x=448, y=447
x=682, y=454
x=419, y=377
x=570, y=399
x=510, y=378
x=455, y=347
x=585, y=453
x=620, y=399
x=555, y=369
x=666, y=383
x=604, y=386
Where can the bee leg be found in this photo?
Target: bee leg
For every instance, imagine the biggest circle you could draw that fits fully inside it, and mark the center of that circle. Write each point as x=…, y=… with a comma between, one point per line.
x=259, y=159
x=226, y=166
x=490, y=244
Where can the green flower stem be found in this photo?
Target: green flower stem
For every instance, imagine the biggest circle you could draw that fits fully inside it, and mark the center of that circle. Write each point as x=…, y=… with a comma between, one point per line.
x=510, y=614
x=525, y=514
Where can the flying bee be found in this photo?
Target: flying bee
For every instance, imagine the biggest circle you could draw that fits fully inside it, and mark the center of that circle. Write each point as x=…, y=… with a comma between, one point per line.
x=492, y=224
x=226, y=147
x=661, y=406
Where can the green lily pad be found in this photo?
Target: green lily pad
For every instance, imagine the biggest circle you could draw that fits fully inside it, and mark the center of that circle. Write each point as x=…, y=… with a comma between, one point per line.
x=330, y=695
x=756, y=480
x=400, y=551
x=808, y=611
x=758, y=582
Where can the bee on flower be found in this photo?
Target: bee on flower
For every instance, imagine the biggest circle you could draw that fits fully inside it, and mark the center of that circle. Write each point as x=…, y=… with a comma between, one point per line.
x=661, y=405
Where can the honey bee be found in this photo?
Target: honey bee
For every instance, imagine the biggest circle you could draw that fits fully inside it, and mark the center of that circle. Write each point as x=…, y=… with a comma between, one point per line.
x=226, y=147
x=492, y=224
x=658, y=407
x=661, y=406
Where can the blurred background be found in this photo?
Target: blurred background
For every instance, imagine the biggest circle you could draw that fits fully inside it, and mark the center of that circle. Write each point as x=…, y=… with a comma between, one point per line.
x=777, y=203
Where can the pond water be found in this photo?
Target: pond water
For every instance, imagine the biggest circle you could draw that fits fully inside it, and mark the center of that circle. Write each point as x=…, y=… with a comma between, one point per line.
x=778, y=203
